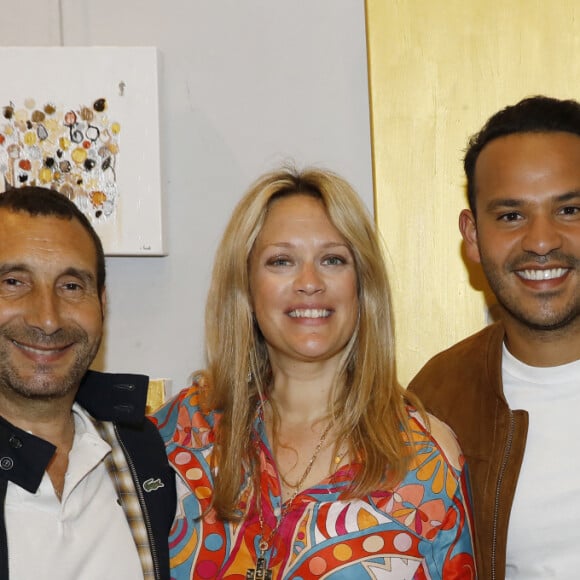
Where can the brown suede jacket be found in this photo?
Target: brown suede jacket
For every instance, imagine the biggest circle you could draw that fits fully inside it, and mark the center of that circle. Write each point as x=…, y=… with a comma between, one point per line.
x=463, y=387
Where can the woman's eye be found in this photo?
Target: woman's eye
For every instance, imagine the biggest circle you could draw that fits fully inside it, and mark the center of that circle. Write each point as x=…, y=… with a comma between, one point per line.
x=334, y=261
x=279, y=261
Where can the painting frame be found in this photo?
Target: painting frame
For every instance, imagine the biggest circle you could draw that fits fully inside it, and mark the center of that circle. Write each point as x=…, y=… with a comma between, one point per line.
x=93, y=111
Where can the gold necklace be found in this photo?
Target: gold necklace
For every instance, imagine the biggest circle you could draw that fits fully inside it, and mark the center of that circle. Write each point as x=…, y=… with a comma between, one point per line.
x=298, y=485
x=261, y=571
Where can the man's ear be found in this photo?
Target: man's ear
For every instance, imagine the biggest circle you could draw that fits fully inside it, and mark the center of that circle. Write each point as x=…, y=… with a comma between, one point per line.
x=468, y=229
x=103, y=302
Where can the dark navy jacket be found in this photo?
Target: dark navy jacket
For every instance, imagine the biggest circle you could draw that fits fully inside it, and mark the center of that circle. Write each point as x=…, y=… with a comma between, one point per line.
x=120, y=399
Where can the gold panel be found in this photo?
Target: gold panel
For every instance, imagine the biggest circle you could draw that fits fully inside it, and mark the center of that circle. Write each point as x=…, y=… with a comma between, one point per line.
x=156, y=394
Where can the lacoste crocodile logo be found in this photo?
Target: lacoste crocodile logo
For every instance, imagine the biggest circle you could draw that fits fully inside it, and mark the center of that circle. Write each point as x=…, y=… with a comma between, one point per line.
x=152, y=484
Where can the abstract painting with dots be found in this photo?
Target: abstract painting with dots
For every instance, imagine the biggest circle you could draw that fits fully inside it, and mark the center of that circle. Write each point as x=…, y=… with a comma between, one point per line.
x=84, y=121
x=71, y=150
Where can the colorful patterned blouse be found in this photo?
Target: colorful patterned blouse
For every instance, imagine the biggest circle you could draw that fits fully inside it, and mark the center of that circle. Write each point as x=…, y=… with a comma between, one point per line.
x=421, y=530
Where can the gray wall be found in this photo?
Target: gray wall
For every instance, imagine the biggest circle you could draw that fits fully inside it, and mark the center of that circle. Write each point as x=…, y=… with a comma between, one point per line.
x=245, y=85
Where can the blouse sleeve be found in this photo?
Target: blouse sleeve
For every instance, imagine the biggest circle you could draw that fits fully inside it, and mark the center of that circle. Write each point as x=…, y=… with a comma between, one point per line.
x=182, y=420
x=453, y=549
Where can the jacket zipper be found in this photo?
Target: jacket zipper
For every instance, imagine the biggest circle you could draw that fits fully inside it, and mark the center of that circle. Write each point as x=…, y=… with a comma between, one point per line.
x=508, y=447
x=141, y=498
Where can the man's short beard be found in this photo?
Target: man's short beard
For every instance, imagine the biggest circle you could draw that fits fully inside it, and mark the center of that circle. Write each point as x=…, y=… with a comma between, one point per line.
x=548, y=324
x=41, y=386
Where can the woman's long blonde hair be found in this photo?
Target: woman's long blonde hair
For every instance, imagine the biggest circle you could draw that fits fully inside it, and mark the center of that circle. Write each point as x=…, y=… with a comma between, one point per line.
x=369, y=403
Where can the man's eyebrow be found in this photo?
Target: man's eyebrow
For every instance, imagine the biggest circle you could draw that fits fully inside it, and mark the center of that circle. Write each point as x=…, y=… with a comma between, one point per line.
x=568, y=196
x=82, y=274
x=515, y=203
x=507, y=202
x=79, y=273
x=13, y=267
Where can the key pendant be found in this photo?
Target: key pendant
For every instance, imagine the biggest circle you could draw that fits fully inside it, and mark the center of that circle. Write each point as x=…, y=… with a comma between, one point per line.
x=260, y=572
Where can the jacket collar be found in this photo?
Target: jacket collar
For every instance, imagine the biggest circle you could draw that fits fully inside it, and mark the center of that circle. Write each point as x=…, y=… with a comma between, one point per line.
x=119, y=398
x=23, y=457
x=494, y=336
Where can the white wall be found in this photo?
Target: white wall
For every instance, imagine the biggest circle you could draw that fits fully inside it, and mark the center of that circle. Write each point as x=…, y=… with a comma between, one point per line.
x=244, y=86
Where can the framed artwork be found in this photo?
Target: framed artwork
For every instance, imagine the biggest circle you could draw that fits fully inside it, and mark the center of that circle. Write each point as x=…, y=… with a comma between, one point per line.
x=85, y=122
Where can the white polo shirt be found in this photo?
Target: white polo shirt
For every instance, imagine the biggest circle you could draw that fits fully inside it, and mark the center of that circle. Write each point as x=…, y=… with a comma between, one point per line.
x=84, y=537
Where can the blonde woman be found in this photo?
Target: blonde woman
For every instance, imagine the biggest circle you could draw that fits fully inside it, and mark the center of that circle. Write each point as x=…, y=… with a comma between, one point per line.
x=298, y=454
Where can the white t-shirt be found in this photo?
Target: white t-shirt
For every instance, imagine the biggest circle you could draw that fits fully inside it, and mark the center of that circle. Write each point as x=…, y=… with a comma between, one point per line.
x=86, y=537
x=544, y=529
